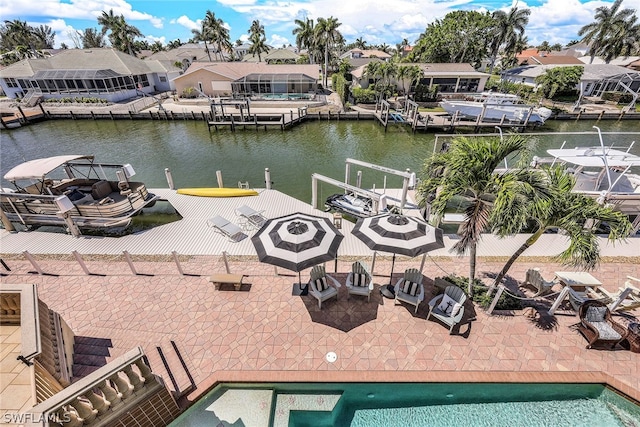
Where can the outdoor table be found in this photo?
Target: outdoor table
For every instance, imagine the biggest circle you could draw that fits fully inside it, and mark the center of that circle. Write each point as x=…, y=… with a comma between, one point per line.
x=575, y=283
x=577, y=280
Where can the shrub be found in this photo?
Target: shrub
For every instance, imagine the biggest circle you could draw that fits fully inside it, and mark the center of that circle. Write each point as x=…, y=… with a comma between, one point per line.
x=364, y=96
x=424, y=93
x=506, y=301
x=189, y=93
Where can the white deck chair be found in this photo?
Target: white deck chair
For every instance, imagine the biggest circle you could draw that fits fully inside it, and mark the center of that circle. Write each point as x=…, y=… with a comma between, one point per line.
x=251, y=216
x=451, y=310
x=321, y=285
x=226, y=227
x=410, y=288
x=359, y=280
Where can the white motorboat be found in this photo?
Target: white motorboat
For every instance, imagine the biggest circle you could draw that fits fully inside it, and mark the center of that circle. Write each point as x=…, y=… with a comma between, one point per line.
x=490, y=106
x=63, y=189
x=603, y=173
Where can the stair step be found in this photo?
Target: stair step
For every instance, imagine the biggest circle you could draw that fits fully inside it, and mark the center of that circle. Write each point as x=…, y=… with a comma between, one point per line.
x=102, y=342
x=95, y=350
x=89, y=359
x=81, y=371
x=174, y=374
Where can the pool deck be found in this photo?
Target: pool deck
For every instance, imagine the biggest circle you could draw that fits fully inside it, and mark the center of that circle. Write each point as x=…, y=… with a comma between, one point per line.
x=264, y=333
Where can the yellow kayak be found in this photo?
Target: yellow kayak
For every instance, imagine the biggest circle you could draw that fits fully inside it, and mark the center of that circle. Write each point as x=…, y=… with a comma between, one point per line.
x=217, y=192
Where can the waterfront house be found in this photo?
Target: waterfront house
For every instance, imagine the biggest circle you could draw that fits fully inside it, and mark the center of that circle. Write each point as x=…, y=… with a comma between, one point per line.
x=449, y=77
x=274, y=56
x=596, y=78
x=366, y=53
x=97, y=73
x=246, y=78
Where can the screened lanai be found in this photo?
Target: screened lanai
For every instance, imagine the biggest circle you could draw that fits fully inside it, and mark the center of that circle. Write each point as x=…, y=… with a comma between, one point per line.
x=86, y=81
x=617, y=83
x=258, y=84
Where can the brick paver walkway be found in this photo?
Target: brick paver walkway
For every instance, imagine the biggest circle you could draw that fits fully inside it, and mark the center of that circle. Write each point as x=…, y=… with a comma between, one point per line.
x=264, y=333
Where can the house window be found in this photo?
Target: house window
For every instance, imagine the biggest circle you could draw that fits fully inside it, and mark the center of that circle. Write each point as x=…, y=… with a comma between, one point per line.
x=11, y=82
x=163, y=79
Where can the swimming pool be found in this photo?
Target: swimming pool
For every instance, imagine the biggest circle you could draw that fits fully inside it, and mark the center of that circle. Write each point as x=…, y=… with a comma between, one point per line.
x=411, y=404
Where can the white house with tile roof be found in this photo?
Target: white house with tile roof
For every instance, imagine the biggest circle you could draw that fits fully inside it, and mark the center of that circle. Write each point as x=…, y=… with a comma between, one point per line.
x=226, y=78
x=99, y=73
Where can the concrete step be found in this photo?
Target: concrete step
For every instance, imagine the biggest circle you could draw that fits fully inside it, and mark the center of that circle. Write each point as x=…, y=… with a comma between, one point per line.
x=91, y=349
x=81, y=371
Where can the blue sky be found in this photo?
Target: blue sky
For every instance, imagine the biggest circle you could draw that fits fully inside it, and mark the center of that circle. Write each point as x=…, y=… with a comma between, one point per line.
x=376, y=21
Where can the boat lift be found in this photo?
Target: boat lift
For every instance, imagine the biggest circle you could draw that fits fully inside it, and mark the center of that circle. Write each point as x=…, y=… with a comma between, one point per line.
x=408, y=176
x=375, y=197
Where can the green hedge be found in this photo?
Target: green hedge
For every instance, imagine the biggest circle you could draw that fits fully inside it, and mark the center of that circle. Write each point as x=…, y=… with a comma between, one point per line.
x=77, y=100
x=364, y=96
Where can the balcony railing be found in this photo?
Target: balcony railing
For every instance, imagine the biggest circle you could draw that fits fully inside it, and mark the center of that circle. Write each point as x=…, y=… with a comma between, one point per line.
x=112, y=395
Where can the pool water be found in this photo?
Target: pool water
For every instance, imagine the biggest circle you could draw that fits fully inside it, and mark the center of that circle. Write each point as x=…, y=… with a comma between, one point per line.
x=419, y=404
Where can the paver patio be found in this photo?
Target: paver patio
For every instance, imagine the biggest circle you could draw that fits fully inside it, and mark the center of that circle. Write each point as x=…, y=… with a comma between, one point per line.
x=264, y=333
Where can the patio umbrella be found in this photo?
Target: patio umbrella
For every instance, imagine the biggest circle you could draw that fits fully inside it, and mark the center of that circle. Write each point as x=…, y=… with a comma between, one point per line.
x=398, y=234
x=297, y=241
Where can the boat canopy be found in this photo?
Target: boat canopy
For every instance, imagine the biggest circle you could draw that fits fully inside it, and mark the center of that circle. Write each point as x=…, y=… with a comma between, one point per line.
x=39, y=168
x=594, y=157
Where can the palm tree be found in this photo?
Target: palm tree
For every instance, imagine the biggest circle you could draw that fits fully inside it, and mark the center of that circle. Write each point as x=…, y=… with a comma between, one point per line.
x=492, y=202
x=360, y=43
x=92, y=38
x=219, y=34
x=577, y=216
x=304, y=33
x=202, y=35
x=43, y=37
x=122, y=34
x=600, y=35
x=19, y=33
x=507, y=28
x=174, y=44
x=327, y=34
x=258, y=40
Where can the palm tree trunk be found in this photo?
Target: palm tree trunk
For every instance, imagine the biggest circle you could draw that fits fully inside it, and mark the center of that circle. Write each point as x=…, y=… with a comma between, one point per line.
x=530, y=241
x=206, y=48
x=326, y=65
x=472, y=269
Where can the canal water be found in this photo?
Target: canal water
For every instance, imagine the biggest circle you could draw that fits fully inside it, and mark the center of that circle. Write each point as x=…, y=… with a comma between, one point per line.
x=194, y=155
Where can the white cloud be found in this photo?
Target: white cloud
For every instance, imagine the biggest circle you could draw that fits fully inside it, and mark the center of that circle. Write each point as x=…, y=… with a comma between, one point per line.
x=187, y=23
x=74, y=9
x=278, y=41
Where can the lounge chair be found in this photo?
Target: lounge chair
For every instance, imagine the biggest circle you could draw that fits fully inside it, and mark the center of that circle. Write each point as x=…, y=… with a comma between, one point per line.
x=252, y=217
x=227, y=228
x=535, y=280
x=598, y=327
x=448, y=307
x=627, y=298
x=359, y=280
x=321, y=285
x=409, y=288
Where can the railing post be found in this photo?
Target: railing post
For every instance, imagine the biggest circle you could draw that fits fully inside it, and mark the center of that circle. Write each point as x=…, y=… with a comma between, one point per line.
x=226, y=263
x=494, y=302
x=130, y=262
x=33, y=262
x=175, y=258
x=81, y=262
x=167, y=173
